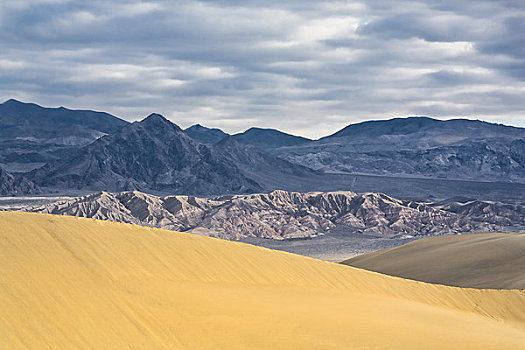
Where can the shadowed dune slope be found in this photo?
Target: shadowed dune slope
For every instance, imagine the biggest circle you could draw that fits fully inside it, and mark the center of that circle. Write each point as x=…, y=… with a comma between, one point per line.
x=495, y=260
x=75, y=283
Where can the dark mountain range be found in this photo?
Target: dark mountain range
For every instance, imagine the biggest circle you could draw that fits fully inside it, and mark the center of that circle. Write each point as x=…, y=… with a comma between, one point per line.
x=15, y=185
x=91, y=150
x=419, y=146
x=153, y=154
x=457, y=149
x=205, y=135
x=257, y=137
x=31, y=135
x=268, y=138
x=156, y=155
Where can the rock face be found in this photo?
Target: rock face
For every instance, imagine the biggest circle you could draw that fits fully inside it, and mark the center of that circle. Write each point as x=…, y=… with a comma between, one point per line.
x=260, y=165
x=504, y=214
x=15, y=185
x=156, y=155
x=30, y=134
x=278, y=214
x=419, y=146
x=153, y=154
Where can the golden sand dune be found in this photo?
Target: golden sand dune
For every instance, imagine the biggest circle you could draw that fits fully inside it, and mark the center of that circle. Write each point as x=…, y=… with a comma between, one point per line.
x=491, y=260
x=73, y=283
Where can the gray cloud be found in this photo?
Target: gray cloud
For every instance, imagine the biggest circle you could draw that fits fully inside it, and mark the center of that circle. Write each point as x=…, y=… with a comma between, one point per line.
x=307, y=67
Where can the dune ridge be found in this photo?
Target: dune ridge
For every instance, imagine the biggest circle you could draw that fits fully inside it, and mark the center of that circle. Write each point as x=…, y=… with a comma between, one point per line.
x=68, y=282
x=487, y=260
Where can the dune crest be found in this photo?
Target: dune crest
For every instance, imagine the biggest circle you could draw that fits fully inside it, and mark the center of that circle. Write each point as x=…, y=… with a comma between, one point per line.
x=486, y=260
x=68, y=282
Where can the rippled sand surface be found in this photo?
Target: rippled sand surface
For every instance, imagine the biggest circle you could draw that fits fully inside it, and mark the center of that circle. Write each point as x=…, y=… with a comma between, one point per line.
x=74, y=283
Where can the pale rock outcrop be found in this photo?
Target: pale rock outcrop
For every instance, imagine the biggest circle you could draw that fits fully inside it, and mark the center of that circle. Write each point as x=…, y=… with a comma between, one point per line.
x=280, y=214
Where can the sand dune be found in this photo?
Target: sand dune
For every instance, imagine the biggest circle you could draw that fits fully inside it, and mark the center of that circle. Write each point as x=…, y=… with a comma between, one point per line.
x=74, y=283
x=495, y=260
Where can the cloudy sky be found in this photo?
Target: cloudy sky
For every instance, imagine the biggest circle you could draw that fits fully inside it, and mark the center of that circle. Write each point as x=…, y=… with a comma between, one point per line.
x=306, y=67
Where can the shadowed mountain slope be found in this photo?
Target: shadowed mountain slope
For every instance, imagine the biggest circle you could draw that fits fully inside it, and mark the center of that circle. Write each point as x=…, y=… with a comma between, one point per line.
x=475, y=260
x=156, y=155
x=263, y=167
x=83, y=284
x=153, y=154
x=33, y=134
x=15, y=185
x=419, y=146
x=269, y=138
x=205, y=135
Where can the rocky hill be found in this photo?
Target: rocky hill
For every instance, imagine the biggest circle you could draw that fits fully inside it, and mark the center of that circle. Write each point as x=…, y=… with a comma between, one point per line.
x=156, y=155
x=428, y=131
x=15, y=185
x=505, y=214
x=279, y=214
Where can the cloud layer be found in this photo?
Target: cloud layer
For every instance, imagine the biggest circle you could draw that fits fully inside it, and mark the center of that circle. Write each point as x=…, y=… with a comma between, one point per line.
x=307, y=67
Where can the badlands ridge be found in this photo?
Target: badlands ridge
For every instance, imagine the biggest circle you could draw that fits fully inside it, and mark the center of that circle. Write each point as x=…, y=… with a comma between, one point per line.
x=286, y=215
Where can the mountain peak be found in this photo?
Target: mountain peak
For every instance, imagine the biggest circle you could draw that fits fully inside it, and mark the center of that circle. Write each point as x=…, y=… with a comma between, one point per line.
x=158, y=120
x=12, y=101
x=197, y=126
x=154, y=116
x=204, y=134
x=16, y=103
x=255, y=128
x=268, y=138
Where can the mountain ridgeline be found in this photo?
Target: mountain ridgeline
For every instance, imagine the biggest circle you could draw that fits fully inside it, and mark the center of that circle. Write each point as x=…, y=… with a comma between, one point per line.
x=269, y=138
x=31, y=135
x=205, y=135
x=257, y=137
x=422, y=147
x=58, y=149
x=156, y=155
x=457, y=149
